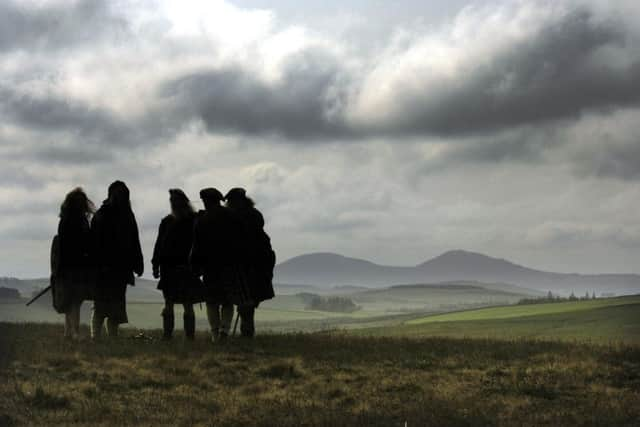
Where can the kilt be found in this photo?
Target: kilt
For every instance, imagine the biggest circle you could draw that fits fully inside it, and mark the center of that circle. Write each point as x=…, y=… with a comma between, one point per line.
x=227, y=285
x=179, y=285
x=70, y=287
x=110, y=294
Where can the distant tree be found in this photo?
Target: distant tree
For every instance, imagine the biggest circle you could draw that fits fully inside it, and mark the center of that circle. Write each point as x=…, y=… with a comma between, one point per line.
x=572, y=297
x=333, y=304
x=9, y=293
x=593, y=296
x=549, y=296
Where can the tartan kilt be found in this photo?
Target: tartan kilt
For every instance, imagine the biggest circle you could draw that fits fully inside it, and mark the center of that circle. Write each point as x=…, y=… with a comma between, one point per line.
x=70, y=287
x=179, y=285
x=228, y=285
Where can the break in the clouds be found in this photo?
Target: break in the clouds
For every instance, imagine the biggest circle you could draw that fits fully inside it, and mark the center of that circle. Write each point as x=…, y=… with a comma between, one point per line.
x=508, y=127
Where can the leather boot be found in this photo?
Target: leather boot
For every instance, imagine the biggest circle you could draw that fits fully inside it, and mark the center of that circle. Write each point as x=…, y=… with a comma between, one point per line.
x=168, y=323
x=112, y=328
x=189, y=326
x=247, y=322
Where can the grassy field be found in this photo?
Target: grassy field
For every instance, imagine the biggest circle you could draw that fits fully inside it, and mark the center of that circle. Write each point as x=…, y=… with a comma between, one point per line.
x=314, y=380
x=600, y=321
x=287, y=312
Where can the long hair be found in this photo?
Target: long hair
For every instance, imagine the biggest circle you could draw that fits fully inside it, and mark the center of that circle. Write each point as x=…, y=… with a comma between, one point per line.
x=76, y=204
x=118, y=196
x=180, y=204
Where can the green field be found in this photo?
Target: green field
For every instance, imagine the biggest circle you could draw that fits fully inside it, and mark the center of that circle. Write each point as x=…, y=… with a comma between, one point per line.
x=288, y=312
x=569, y=363
x=322, y=379
x=602, y=321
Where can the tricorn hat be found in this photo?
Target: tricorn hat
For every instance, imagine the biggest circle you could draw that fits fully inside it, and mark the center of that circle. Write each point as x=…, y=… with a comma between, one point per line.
x=211, y=194
x=236, y=193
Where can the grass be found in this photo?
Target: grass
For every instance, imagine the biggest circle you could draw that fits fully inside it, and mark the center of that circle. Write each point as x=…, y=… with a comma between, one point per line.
x=325, y=379
x=600, y=321
x=528, y=310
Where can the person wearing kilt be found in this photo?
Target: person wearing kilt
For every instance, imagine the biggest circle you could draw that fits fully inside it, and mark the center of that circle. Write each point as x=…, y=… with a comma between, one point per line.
x=117, y=255
x=255, y=259
x=71, y=275
x=213, y=257
x=179, y=285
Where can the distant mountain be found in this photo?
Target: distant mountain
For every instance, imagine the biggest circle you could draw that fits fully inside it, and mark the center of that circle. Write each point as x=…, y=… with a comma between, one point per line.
x=328, y=269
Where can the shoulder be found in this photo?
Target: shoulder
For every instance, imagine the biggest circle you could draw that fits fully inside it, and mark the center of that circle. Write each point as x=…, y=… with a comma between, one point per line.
x=257, y=217
x=167, y=220
x=100, y=213
x=66, y=223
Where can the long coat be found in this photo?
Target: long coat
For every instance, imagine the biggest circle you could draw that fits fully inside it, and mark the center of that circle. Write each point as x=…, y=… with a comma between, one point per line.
x=171, y=258
x=72, y=280
x=117, y=253
x=257, y=258
x=214, y=253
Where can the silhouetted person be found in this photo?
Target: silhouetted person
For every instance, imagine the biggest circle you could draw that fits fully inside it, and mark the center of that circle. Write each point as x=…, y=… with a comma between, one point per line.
x=72, y=275
x=171, y=264
x=256, y=258
x=117, y=255
x=213, y=256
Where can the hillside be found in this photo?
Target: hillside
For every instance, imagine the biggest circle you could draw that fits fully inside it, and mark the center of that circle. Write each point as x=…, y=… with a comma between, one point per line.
x=289, y=310
x=603, y=320
x=440, y=297
x=324, y=269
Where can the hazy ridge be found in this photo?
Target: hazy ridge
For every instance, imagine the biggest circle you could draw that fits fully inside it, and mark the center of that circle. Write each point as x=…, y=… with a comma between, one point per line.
x=329, y=269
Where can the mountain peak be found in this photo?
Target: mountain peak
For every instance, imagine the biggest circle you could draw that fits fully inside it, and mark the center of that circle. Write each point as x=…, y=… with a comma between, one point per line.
x=324, y=259
x=459, y=255
x=464, y=261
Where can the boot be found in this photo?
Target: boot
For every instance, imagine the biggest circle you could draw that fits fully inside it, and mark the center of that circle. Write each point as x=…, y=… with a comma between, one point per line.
x=189, y=326
x=247, y=325
x=168, y=323
x=112, y=328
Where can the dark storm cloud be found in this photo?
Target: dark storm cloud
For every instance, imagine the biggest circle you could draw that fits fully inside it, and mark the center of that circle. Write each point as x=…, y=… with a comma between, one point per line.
x=58, y=26
x=65, y=117
x=505, y=109
x=53, y=113
x=306, y=103
x=558, y=74
x=525, y=145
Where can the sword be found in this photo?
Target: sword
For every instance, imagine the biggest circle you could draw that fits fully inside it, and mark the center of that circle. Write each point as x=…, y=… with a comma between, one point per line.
x=42, y=292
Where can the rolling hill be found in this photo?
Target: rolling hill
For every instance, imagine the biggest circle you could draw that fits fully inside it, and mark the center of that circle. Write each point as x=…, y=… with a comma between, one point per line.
x=328, y=269
x=603, y=320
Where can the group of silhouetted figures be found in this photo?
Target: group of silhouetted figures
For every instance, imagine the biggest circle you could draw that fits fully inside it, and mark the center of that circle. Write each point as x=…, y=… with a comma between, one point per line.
x=221, y=256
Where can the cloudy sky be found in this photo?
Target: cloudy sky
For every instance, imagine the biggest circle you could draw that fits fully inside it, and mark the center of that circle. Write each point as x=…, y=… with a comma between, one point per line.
x=391, y=131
